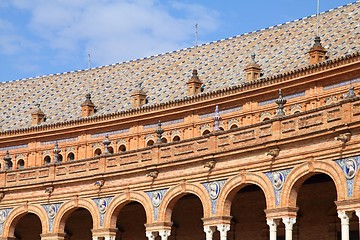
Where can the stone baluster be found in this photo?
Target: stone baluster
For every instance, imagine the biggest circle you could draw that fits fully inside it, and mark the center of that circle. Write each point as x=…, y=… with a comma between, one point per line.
x=289, y=222
x=223, y=229
x=272, y=227
x=345, y=229
x=209, y=231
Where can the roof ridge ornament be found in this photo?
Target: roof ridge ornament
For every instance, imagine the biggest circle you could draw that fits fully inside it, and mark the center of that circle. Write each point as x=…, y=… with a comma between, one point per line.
x=253, y=69
x=317, y=51
x=194, y=84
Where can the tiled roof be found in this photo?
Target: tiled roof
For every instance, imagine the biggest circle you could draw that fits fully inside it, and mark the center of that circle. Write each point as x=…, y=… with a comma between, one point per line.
x=220, y=64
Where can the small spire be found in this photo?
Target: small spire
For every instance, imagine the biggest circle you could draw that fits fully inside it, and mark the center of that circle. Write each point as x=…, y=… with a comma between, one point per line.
x=87, y=107
x=217, y=119
x=37, y=115
x=159, y=131
x=56, y=152
x=317, y=51
x=253, y=69
x=194, y=84
x=139, y=96
x=281, y=101
x=106, y=143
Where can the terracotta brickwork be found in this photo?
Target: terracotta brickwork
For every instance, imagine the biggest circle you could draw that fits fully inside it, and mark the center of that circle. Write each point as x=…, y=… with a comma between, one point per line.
x=276, y=155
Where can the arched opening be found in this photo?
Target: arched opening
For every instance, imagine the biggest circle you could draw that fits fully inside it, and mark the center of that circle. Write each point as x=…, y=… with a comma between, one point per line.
x=266, y=119
x=233, y=126
x=221, y=128
x=47, y=160
x=78, y=225
x=21, y=164
x=71, y=157
x=122, y=148
x=60, y=158
x=206, y=132
x=111, y=150
x=28, y=227
x=164, y=140
x=317, y=215
x=176, y=138
x=150, y=143
x=186, y=217
x=97, y=152
x=248, y=216
x=130, y=222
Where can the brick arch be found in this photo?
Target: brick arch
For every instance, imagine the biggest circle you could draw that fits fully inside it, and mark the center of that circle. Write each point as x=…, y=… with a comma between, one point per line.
x=69, y=207
x=233, y=185
x=17, y=213
x=356, y=187
x=299, y=174
x=120, y=201
x=175, y=193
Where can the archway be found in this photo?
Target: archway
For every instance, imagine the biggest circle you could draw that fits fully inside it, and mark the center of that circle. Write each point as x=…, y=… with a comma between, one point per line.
x=317, y=215
x=248, y=216
x=78, y=225
x=131, y=222
x=186, y=217
x=28, y=227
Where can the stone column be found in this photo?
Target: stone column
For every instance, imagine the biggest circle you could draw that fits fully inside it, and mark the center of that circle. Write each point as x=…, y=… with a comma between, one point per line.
x=289, y=222
x=272, y=227
x=209, y=231
x=223, y=229
x=151, y=235
x=345, y=229
x=164, y=234
x=357, y=212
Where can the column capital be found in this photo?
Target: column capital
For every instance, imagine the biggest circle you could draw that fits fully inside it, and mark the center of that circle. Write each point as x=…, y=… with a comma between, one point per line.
x=289, y=222
x=151, y=235
x=272, y=222
x=357, y=212
x=223, y=229
x=164, y=234
x=209, y=231
x=344, y=216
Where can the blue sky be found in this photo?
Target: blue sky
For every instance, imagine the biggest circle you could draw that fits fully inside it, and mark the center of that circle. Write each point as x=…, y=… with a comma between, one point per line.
x=41, y=37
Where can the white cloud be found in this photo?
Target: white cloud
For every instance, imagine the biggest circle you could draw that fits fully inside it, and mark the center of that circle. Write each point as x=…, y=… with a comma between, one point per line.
x=116, y=30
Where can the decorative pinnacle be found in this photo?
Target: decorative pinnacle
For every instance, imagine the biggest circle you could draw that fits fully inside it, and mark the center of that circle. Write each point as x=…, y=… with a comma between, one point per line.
x=281, y=101
x=351, y=92
x=217, y=119
x=7, y=156
x=253, y=57
x=317, y=41
x=159, y=131
x=56, y=152
x=140, y=88
x=106, y=143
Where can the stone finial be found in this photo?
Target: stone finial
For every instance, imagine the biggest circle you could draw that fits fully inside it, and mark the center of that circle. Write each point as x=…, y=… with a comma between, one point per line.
x=56, y=152
x=281, y=101
x=37, y=116
x=7, y=160
x=87, y=107
x=217, y=119
x=159, y=131
x=253, y=69
x=317, y=52
x=106, y=143
x=139, y=96
x=194, y=84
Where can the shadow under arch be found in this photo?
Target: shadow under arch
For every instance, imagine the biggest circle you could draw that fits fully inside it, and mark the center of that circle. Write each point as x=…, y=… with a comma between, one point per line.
x=175, y=193
x=121, y=200
x=299, y=174
x=17, y=213
x=69, y=207
x=234, y=184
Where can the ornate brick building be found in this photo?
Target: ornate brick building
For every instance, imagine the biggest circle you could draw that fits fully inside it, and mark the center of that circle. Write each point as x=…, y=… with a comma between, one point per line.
x=246, y=146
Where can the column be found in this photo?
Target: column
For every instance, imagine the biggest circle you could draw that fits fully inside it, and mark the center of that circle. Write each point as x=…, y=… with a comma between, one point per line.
x=272, y=227
x=345, y=230
x=164, y=234
x=357, y=212
x=289, y=222
x=209, y=231
x=151, y=235
x=223, y=229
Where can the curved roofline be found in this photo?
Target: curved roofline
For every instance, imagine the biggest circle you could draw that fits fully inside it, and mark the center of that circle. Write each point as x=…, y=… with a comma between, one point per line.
x=179, y=50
